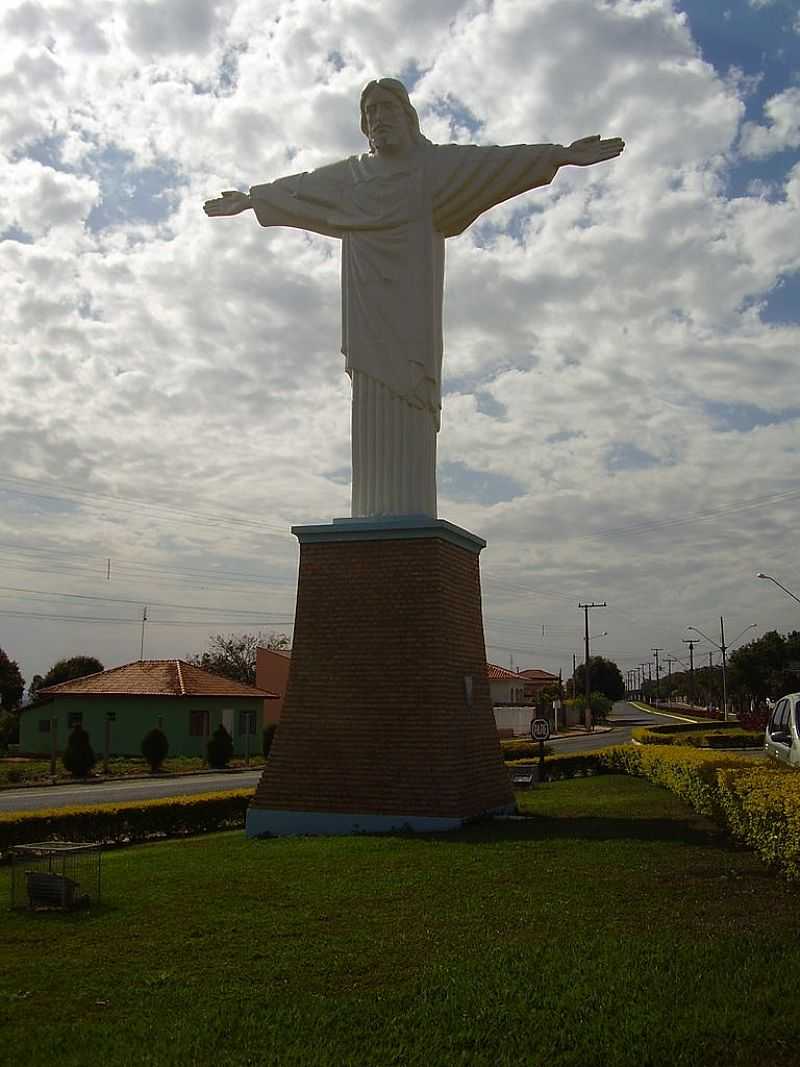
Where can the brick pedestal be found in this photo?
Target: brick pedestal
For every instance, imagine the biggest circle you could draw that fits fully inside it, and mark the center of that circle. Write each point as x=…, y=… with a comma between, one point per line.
x=387, y=721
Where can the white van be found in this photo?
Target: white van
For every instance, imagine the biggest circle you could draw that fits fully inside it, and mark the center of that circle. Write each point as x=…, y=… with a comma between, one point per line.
x=782, y=739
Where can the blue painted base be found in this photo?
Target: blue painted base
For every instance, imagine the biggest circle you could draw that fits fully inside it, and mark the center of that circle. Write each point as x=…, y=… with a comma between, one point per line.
x=265, y=822
x=389, y=528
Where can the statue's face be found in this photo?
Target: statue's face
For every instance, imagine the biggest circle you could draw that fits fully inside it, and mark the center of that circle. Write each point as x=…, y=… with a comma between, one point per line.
x=387, y=123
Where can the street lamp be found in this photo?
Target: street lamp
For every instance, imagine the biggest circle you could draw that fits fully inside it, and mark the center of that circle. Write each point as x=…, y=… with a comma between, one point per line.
x=724, y=650
x=769, y=578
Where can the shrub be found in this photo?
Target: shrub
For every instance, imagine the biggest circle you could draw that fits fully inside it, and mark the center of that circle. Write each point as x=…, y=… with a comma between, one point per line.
x=219, y=748
x=601, y=706
x=155, y=747
x=79, y=757
x=522, y=750
x=267, y=738
x=128, y=822
x=725, y=735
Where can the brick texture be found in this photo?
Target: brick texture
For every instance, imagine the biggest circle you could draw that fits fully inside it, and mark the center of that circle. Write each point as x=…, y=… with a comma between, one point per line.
x=376, y=718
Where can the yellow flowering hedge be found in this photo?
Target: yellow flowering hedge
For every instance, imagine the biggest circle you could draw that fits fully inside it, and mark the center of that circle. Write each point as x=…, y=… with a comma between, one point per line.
x=761, y=807
x=127, y=821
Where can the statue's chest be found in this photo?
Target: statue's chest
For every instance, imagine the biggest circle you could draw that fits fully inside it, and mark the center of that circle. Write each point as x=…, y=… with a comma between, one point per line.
x=389, y=196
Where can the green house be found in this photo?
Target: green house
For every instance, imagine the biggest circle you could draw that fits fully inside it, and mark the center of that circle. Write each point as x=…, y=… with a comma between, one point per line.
x=121, y=705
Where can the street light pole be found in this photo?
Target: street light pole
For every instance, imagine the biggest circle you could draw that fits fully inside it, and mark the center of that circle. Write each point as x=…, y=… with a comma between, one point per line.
x=723, y=648
x=690, y=642
x=588, y=710
x=769, y=578
x=658, y=688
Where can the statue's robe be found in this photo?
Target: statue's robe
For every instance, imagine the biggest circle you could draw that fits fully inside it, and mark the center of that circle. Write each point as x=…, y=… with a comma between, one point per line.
x=392, y=218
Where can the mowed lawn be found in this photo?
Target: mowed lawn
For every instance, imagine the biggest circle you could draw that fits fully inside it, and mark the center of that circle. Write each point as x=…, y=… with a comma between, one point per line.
x=614, y=927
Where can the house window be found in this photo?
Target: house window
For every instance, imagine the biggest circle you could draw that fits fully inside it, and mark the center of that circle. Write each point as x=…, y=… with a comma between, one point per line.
x=247, y=723
x=74, y=719
x=198, y=724
x=44, y=726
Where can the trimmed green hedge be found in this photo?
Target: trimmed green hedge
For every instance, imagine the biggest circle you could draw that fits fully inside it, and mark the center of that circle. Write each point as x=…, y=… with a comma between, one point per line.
x=729, y=736
x=129, y=821
x=522, y=750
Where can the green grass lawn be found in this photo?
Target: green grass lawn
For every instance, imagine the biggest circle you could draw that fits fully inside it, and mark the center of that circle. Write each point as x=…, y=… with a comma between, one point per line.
x=614, y=927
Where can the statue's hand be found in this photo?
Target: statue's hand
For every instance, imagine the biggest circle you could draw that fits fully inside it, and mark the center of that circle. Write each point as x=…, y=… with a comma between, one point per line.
x=230, y=203
x=588, y=150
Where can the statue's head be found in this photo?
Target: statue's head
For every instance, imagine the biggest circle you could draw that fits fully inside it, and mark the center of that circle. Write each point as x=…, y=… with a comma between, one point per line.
x=389, y=120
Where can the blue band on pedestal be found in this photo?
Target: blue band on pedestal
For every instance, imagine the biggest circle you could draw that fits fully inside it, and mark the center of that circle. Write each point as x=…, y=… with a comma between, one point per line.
x=390, y=528
x=276, y=822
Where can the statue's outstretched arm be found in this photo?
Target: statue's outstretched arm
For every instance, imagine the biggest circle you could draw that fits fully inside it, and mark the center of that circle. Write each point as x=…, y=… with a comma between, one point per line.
x=588, y=150
x=232, y=202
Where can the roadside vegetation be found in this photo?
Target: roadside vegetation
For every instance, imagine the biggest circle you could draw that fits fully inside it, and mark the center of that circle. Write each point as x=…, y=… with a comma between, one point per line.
x=615, y=926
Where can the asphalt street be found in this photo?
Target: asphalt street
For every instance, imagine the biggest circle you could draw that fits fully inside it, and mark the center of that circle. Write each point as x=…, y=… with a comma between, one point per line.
x=66, y=795
x=622, y=721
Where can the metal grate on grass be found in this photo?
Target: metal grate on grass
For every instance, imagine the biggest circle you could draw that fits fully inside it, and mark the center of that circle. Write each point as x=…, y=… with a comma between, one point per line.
x=55, y=875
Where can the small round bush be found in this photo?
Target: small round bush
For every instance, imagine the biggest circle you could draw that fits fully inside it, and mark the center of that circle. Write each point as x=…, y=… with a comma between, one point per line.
x=79, y=757
x=155, y=747
x=220, y=748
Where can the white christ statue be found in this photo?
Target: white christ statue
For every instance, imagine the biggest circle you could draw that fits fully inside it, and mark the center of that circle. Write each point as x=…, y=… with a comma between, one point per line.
x=392, y=209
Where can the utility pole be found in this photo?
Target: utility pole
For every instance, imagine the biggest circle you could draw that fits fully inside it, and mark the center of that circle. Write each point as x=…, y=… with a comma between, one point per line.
x=670, y=661
x=691, y=645
x=641, y=672
x=588, y=690
x=144, y=620
x=658, y=693
x=723, y=649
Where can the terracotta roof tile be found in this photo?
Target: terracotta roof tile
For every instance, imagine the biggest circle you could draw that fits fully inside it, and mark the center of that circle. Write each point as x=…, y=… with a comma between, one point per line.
x=496, y=674
x=156, y=677
x=534, y=674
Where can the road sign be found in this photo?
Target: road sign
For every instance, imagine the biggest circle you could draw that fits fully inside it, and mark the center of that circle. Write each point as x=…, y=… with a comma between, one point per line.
x=540, y=729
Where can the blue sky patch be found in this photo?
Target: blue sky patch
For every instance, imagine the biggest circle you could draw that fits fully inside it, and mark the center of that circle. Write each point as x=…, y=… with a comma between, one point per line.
x=129, y=194
x=626, y=456
x=460, y=482
x=742, y=418
x=783, y=302
x=14, y=233
x=563, y=435
x=487, y=405
x=757, y=40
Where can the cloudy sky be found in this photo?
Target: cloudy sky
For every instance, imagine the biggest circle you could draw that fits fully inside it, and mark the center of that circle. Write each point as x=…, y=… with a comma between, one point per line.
x=622, y=397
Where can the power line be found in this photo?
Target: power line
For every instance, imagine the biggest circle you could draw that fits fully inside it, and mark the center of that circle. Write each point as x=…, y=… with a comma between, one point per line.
x=268, y=620
x=199, y=517
x=120, y=600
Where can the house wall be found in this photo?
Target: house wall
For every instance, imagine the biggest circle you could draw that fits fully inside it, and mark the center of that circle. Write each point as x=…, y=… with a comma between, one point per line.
x=507, y=690
x=272, y=674
x=514, y=722
x=134, y=717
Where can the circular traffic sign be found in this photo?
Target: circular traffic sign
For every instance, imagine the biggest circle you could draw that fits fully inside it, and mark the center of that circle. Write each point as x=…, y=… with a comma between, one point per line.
x=540, y=729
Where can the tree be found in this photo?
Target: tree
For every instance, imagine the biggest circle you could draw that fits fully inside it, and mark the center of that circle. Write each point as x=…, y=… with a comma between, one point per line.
x=65, y=670
x=155, y=747
x=234, y=655
x=79, y=757
x=12, y=684
x=220, y=748
x=604, y=676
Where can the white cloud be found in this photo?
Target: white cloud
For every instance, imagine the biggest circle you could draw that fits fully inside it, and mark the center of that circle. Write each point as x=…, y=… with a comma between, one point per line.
x=781, y=131
x=194, y=364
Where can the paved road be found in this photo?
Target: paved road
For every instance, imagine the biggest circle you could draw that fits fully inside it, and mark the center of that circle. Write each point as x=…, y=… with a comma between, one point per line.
x=622, y=721
x=66, y=795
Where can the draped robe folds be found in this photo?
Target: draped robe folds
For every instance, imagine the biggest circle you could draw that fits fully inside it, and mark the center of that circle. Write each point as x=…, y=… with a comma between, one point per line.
x=392, y=218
